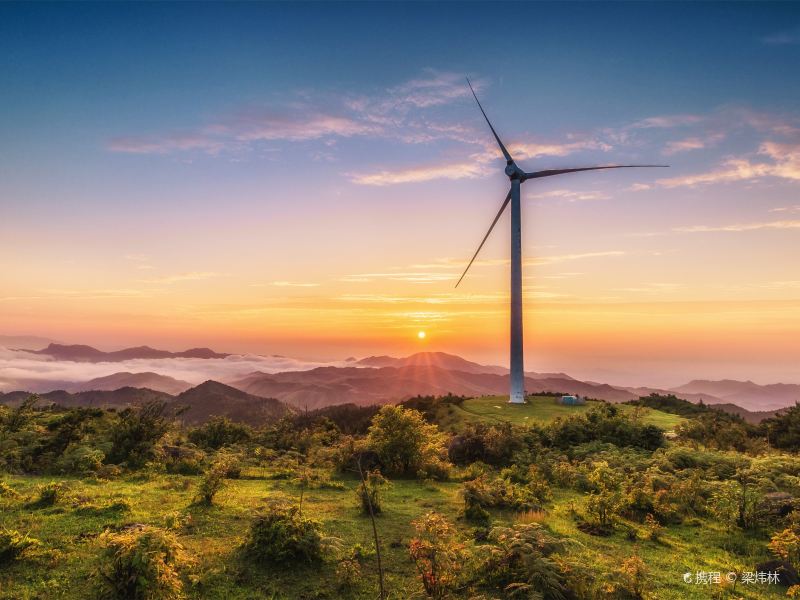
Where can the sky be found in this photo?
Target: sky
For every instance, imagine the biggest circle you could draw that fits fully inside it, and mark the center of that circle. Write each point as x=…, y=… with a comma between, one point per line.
x=310, y=180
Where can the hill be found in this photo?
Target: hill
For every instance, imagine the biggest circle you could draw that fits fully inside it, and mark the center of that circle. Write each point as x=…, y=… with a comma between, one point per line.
x=83, y=353
x=214, y=399
x=119, y=398
x=150, y=380
x=540, y=409
x=442, y=360
x=337, y=385
x=195, y=405
x=746, y=394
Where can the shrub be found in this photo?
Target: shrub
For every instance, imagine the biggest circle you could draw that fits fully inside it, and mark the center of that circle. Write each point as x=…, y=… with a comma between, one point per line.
x=6, y=491
x=437, y=554
x=14, y=545
x=219, y=432
x=283, y=536
x=653, y=527
x=604, y=424
x=135, y=433
x=348, y=573
x=491, y=444
x=140, y=563
x=80, y=460
x=49, y=494
x=737, y=501
x=634, y=577
x=605, y=501
x=368, y=492
x=519, y=562
x=482, y=493
x=786, y=546
x=184, y=466
x=404, y=442
x=214, y=479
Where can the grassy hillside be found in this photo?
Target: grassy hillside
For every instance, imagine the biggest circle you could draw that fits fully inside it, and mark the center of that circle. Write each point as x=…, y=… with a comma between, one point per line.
x=212, y=535
x=277, y=464
x=541, y=409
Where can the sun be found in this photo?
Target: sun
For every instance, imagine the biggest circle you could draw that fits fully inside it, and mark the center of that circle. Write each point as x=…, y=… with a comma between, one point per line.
x=421, y=335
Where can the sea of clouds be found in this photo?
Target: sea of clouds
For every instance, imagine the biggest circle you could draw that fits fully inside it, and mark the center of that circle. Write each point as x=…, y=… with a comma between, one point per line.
x=20, y=370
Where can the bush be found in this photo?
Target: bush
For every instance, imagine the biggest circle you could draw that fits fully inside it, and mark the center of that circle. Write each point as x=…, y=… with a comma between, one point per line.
x=49, y=494
x=482, y=493
x=6, y=491
x=405, y=443
x=214, y=479
x=368, y=492
x=135, y=433
x=219, y=432
x=605, y=424
x=491, y=444
x=14, y=545
x=519, y=562
x=141, y=563
x=348, y=574
x=605, y=500
x=437, y=554
x=80, y=460
x=283, y=536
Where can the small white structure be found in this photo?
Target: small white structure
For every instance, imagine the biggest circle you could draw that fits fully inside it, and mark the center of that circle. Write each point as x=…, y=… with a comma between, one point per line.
x=571, y=400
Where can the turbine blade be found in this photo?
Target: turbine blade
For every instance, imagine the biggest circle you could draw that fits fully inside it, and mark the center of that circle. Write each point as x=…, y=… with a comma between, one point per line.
x=496, y=218
x=497, y=137
x=551, y=172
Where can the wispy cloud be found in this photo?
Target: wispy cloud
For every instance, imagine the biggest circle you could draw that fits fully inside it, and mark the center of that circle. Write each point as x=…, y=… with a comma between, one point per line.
x=453, y=170
x=666, y=122
x=549, y=260
x=776, y=160
x=730, y=228
x=410, y=277
x=739, y=227
x=684, y=145
x=167, y=143
x=783, y=38
x=476, y=165
x=397, y=112
x=192, y=276
x=294, y=284
x=572, y=196
x=787, y=209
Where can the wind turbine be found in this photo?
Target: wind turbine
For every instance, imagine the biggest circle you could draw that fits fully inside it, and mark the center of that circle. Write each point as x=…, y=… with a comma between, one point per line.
x=517, y=177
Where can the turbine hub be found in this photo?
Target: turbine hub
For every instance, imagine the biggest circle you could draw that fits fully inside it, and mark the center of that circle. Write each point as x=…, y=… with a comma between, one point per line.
x=513, y=171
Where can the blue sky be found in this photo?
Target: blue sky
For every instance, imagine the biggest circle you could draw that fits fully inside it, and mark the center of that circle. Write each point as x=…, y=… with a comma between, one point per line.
x=264, y=159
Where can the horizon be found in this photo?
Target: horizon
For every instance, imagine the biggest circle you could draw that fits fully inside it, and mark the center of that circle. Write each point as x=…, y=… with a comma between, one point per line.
x=300, y=363
x=170, y=178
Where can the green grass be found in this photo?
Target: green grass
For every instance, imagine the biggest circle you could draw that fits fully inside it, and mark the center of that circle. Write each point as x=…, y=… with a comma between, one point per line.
x=541, y=409
x=213, y=534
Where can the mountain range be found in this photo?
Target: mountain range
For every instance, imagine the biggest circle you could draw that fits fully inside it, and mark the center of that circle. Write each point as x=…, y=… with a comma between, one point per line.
x=82, y=353
x=371, y=380
x=193, y=406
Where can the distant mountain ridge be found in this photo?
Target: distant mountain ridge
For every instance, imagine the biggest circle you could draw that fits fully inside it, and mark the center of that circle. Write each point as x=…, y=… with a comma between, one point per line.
x=747, y=394
x=193, y=406
x=388, y=379
x=442, y=360
x=83, y=353
x=148, y=379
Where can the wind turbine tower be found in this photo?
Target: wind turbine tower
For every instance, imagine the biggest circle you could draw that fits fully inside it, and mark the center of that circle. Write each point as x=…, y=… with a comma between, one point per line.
x=517, y=177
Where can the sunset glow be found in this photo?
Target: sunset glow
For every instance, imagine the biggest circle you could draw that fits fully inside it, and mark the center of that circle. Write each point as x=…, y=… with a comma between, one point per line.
x=327, y=209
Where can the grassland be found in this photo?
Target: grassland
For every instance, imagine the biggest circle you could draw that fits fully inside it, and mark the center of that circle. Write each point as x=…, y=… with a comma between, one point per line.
x=62, y=567
x=213, y=534
x=540, y=409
